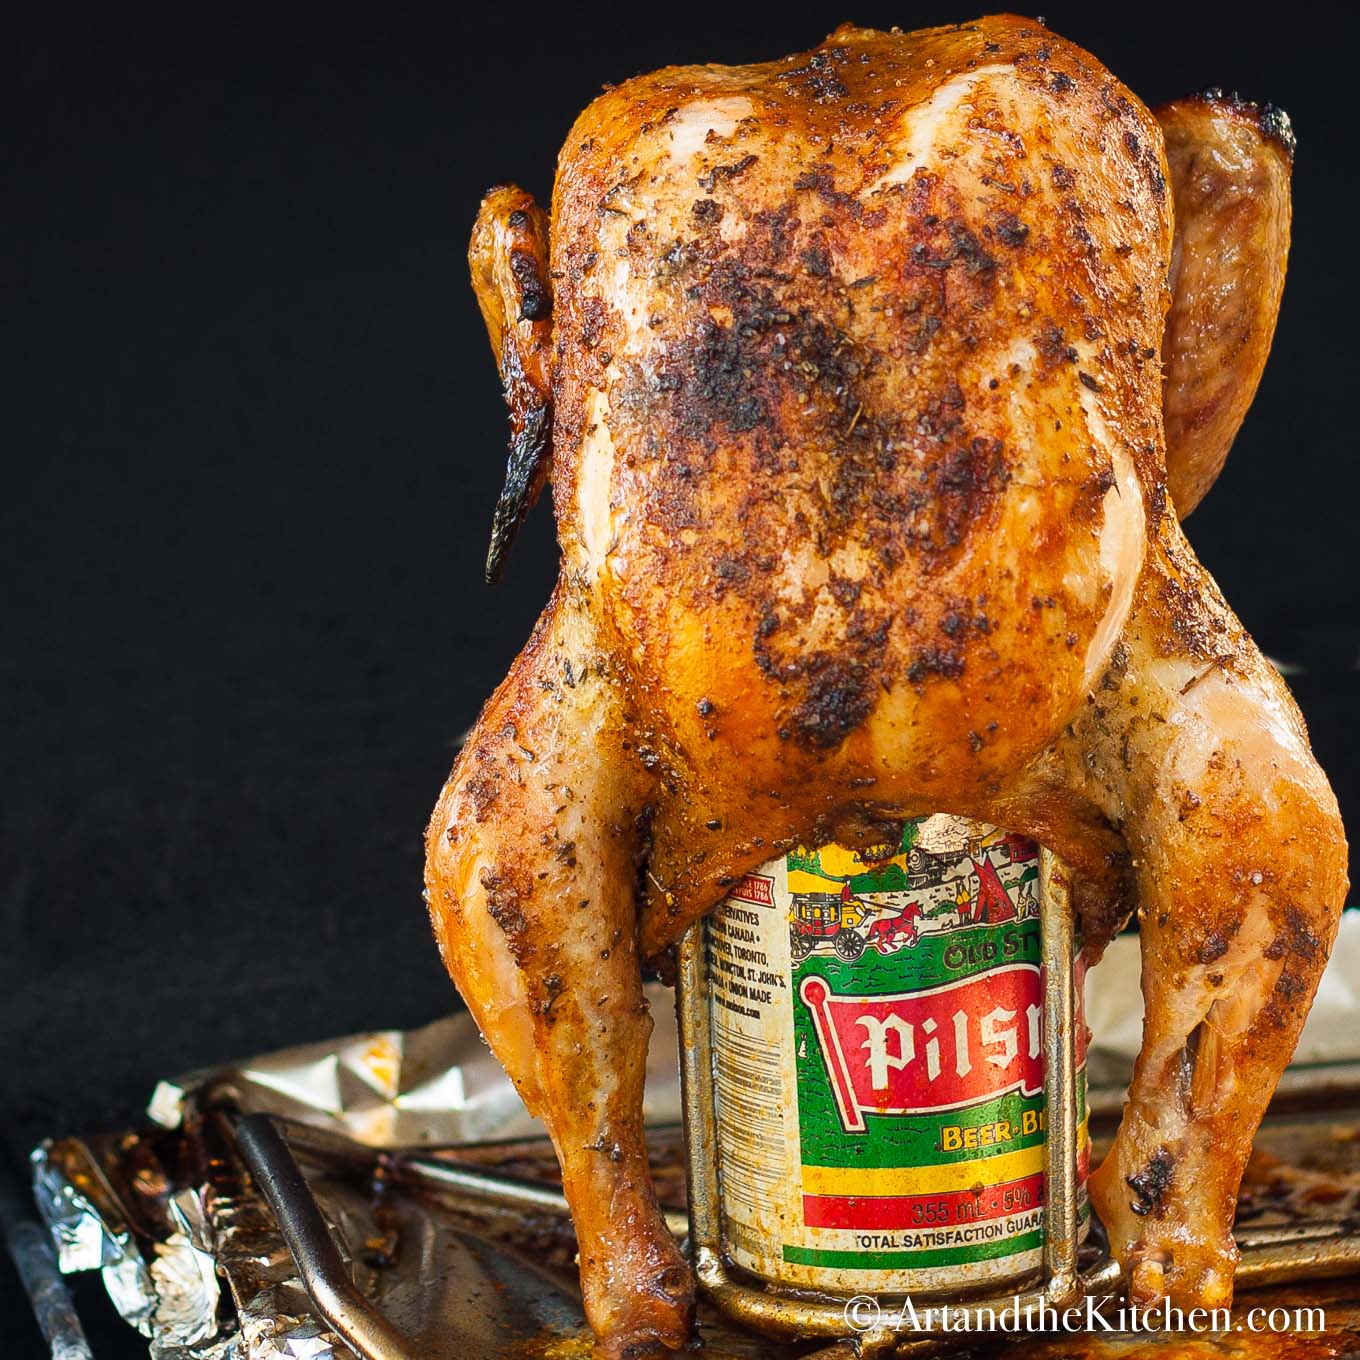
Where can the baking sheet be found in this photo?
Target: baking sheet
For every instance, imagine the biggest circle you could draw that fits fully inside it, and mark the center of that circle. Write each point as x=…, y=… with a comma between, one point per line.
x=191, y=1256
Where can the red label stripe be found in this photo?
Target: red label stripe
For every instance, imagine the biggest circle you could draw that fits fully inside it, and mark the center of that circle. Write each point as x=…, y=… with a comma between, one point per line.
x=943, y=1209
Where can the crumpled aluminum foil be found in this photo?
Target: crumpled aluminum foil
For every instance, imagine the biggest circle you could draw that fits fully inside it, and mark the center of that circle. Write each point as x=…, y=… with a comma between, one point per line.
x=93, y=1236
x=438, y=1086
x=172, y=1298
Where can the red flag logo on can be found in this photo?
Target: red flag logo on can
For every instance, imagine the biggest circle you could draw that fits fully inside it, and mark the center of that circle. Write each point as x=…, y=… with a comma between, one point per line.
x=942, y=1048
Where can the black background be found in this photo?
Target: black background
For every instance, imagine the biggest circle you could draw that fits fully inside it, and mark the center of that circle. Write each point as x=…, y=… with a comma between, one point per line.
x=252, y=436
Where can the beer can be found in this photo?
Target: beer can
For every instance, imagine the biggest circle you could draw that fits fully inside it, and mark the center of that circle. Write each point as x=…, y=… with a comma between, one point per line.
x=876, y=1020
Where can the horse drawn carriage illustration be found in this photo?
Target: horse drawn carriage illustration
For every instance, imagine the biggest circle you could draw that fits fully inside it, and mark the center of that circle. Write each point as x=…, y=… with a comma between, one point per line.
x=931, y=897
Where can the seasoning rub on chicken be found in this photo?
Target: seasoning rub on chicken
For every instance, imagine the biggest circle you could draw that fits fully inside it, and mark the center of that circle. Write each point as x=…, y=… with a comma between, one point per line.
x=871, y=385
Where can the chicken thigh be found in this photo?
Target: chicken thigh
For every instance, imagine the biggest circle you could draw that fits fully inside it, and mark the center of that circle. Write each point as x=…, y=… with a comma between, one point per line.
x=869, y=384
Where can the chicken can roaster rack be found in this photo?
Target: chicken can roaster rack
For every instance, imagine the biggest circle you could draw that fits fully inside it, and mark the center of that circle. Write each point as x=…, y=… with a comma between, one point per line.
x=256, y=1156
x=1268, y=1256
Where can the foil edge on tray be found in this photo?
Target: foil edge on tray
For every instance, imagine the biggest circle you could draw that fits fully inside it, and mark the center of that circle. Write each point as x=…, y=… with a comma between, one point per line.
x=87, y=1237
x=175, y=1298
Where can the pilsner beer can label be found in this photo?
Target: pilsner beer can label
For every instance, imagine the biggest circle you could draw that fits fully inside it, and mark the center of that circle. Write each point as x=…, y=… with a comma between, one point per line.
x=877, y=1030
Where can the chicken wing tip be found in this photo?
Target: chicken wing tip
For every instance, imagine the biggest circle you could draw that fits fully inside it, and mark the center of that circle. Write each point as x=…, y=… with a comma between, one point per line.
x=1270, y=119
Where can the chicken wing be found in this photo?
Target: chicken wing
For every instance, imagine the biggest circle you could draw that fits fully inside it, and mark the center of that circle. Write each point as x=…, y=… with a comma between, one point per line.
x=1230, y=163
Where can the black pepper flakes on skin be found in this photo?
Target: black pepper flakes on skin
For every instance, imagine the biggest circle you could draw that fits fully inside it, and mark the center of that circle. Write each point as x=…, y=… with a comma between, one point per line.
x=1151, y=1184
x=503, y=905
x=719, y=173
x=1011, y=231
x=817, y=261
x=930, y=661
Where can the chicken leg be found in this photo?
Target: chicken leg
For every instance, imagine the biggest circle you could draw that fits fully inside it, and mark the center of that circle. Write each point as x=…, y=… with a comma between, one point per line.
x=1195, y=746
x=534, y=853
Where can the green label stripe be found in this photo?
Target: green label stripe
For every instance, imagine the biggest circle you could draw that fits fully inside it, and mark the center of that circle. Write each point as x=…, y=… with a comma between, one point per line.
x=934, y=960
x=897, y=1260
x=900, y=1140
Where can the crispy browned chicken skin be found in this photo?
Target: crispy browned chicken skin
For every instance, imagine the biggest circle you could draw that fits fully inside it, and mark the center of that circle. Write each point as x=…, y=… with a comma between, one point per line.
x=849, y=369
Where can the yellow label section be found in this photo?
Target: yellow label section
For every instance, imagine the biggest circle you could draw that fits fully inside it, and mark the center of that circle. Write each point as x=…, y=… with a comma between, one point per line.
x=919, y=1180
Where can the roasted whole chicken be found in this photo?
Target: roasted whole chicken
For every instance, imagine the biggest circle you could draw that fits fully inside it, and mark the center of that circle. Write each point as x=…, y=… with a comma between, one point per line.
x=872, y=385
